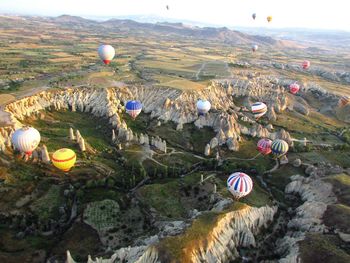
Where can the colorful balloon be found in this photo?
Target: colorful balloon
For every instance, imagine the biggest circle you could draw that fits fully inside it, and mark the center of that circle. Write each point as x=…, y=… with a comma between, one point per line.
x=26, y=139
x=255, y=48
x=269, y=19
x=254, y=16
x=306, y=64
x=133, y=108
x=239, y=184
x=203, y=107
x=264, y=146
x=106, y=53
x=294, y=88
x=279, y=148
x=64, y=159
x=259, y=109
x=344, y=100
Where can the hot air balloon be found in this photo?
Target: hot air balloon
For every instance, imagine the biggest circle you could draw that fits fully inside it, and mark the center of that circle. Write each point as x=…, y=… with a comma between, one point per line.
x=264, y=146
x=64, y=159
x=133, y=108
x=294, y=88
x=259, y=109
x=306, y=64
x=106, y=53
x=167, y=7
x=254, y=16
x=279, y=148
x=255, y=48
x=269, y=19
x=26, y=139
x=203, y=107
x=344, y=100
x=239, y=184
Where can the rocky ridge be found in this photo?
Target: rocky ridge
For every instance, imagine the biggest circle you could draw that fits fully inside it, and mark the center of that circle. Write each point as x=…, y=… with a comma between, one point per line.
x=163, y=104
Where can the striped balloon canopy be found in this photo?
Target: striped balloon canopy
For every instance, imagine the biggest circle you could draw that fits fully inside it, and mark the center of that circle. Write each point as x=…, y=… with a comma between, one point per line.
x=26, y=139
x=133, y=108
x=344, y=100
x=294, y=88
x=259, y=109
x=279, y=147
x=264, y=146
x=239, y=184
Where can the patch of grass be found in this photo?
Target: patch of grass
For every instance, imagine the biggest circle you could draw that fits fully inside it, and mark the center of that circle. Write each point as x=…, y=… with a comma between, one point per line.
x=46, y=207
x=99, y=194
x=338, y=216
x=165, y=198
x=322, y=248
x=341, y=187
x=55, y=128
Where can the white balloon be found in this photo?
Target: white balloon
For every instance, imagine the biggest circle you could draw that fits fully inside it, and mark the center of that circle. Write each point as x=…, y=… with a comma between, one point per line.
x=26, y=139
x=203, y=106
x=106, y=53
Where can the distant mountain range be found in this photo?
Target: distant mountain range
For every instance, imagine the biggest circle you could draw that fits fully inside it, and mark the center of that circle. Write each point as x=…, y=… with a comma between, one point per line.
x=286, y=37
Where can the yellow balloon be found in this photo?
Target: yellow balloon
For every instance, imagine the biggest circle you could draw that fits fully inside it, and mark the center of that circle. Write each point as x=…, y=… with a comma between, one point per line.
x=64, y=159
x=269, y=19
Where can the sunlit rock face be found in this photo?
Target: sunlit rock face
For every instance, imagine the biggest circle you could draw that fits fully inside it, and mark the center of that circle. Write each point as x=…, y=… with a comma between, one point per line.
x=234, y=229
x=163, y=104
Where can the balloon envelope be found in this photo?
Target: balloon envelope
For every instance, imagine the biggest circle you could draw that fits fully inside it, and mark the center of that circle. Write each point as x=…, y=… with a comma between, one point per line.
x=306, y=64
x=259, y=109
x=254, y=16
x=255, y=48
x=294, y=88
x=269, y=19
x=203, y=107
x=344, y=100
x=264, y=146
x=279, y=147
x=106, y=53
x=239, y=184
x=64, y=159
x=26, y=139
x=133, y=108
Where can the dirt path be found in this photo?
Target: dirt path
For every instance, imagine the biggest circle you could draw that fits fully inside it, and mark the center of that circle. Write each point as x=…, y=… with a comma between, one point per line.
x=200, y=69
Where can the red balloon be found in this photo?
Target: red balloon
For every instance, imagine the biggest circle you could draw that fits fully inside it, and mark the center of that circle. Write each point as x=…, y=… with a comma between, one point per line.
x=294, y=88
x=264, y=146
x=306, y=64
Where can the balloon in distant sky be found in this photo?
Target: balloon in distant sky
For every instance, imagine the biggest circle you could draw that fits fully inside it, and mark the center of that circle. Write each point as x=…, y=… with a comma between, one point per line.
x=269, y=19
x=255, y=48
x=133, y=108
x=264, y=146
x=254, y=16
x=106, y=53
x=306, y=64
x=203, y=107
x=64, y=159
x=26, y=139
x=344, y=100
x=259, y=109
x=239, y=184
x=294, y=88
x=279, y=148
x=167, y=7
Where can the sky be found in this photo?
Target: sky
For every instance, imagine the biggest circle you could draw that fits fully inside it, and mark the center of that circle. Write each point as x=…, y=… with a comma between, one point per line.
x=320, y=14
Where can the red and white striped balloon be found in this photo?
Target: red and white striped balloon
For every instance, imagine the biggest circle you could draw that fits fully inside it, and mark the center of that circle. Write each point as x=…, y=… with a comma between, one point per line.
x=344, y=100
x=264, y=146
x=239, y=184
